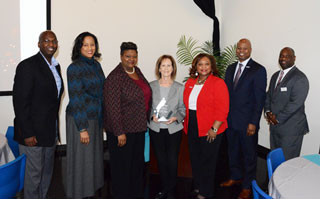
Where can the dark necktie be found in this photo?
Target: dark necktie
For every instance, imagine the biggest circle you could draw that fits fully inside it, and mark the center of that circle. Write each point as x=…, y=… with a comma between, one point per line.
x=236, y=79
x=279, y=80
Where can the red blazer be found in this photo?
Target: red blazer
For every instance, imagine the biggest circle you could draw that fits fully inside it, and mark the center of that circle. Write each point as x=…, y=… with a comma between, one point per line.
x=212, y=104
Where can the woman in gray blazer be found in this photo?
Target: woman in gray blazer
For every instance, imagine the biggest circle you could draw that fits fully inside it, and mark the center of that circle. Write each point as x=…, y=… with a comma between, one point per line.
x=167, y=114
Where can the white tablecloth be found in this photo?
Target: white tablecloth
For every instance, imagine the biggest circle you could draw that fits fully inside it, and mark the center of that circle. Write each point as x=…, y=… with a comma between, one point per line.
x=298, y=178
x=6, y=154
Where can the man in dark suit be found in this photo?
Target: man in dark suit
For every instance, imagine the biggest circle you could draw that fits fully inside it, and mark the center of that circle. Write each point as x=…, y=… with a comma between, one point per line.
x=246, y=81
x=37, y=94
x=284, y=106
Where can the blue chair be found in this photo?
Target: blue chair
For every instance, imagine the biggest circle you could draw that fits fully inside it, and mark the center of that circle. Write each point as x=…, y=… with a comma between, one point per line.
x=12, y=177
x=257, y=192
x=14, y=146
x=274, y=159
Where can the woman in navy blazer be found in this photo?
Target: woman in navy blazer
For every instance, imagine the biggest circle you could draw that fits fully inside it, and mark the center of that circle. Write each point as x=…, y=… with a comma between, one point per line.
x=166, y=135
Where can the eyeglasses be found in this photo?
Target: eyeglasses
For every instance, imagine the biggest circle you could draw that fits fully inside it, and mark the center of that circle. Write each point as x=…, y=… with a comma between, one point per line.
x=47, y=41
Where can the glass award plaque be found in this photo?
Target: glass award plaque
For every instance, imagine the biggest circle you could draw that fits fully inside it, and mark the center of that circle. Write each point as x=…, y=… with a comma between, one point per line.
x=162, y=111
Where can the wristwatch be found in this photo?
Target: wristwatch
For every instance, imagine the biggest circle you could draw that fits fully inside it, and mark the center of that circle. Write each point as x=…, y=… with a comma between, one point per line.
x=214, y=129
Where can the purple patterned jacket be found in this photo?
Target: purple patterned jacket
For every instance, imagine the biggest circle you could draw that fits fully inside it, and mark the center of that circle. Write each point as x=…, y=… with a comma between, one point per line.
x=124, y=104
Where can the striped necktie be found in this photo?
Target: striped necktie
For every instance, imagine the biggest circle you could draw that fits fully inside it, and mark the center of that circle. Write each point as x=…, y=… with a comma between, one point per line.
x=279, y=80
x=236, y=79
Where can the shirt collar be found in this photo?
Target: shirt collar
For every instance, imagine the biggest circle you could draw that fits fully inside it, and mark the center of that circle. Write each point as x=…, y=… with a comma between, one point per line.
x=245, y=62
x=54, y=62
x=288, y=69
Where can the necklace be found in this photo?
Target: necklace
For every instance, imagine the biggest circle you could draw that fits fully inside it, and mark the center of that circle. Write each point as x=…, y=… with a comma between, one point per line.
x=130, y=73
x=202, y=81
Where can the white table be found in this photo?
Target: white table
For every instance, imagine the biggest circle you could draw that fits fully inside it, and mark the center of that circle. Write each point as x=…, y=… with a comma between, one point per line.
x=298, y=178
x=6, y=154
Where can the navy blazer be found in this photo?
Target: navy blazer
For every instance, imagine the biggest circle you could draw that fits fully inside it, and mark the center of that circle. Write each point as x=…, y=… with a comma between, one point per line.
x=248, y=98
x=36, y=102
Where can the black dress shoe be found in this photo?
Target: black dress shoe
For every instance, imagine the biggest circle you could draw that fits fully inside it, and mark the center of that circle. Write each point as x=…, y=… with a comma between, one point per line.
x=161, y=195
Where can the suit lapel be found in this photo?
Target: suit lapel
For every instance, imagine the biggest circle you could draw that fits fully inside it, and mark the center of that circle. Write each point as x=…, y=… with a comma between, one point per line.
x=284, y=82
x=288, y=76
x=59, y=72
x=48, y=73
x=156, y=92
x=273, y=82
x=172, y=92
x=157, y=97
x=246, y=71
x=233, y=69
x=130, y=84
x=231, y=74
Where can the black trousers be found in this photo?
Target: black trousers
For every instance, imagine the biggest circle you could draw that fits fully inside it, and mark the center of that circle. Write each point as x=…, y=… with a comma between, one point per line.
x=203, y=156
x=126, y=165
x=166, y=148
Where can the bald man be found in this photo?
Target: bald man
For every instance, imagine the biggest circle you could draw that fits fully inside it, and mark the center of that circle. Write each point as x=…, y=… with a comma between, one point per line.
x=246, y=81
x=284, y=106
x=37, y=94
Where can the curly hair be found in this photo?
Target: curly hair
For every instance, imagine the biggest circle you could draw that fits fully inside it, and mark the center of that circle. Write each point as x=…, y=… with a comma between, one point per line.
x=193, y=70
x=128, y=46
x=78, y=42
x=174, y=66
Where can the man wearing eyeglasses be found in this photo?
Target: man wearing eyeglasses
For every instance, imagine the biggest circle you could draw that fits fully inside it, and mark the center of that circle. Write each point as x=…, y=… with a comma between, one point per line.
x=37, y=91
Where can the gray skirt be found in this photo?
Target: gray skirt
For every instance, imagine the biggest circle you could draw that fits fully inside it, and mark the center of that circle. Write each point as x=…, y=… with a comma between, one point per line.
x=84, y=162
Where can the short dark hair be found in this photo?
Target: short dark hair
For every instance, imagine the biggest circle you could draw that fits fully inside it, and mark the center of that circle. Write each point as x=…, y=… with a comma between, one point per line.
x=128, y=46
x=78, y=42
x=44, y=33
x=193, y=69
x=293, y=53
x=174, y=66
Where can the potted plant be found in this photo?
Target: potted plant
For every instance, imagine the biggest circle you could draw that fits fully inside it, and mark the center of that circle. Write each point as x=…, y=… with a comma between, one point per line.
x=188, y=49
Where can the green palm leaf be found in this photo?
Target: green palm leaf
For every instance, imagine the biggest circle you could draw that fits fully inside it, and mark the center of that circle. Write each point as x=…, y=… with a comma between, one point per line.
x=207, y=47
x=227, y=57
x=187, y=50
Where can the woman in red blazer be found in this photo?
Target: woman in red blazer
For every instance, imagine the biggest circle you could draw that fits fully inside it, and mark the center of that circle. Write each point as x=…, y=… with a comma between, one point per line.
x=207, y=105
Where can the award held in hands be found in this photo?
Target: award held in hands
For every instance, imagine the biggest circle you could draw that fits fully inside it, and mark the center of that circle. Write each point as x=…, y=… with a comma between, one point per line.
x=162, y=112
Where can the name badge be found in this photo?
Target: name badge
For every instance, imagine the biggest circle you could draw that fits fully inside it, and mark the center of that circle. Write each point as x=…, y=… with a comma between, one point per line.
x=283, y=89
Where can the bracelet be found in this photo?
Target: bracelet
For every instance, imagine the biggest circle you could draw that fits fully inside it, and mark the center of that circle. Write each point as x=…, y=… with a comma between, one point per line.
x=214, y=129
x=83, y=130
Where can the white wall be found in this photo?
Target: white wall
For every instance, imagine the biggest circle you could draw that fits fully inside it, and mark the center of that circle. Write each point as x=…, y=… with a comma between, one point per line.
x=21, y=23
x=33, y=21
x=155, y=26
x=272, y=25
